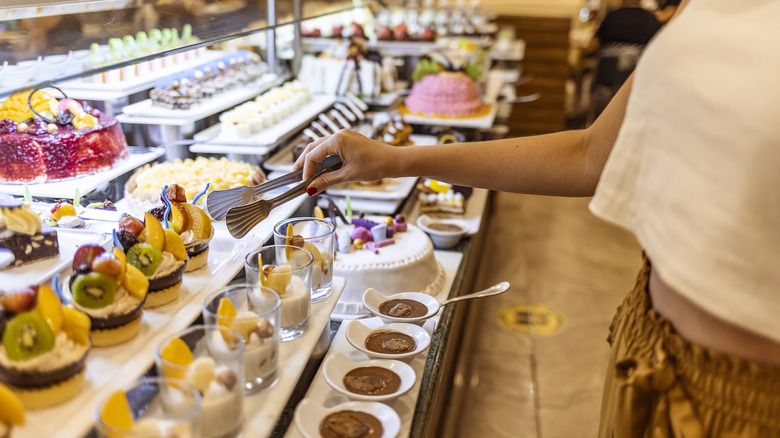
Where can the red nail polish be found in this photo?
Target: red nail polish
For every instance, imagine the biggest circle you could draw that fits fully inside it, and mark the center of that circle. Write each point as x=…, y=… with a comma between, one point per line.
x=311, y=191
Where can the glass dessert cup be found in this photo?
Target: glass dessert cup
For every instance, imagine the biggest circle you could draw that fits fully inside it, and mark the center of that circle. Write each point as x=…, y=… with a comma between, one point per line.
x=287, y=270
x=152, y=407
x=319, y=237
x=256, y=315
x=210, y=358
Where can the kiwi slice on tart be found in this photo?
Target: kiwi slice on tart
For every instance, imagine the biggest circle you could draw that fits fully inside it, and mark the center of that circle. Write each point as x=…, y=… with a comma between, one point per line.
x=145, y=257
x=93, y=290
x=26, y=336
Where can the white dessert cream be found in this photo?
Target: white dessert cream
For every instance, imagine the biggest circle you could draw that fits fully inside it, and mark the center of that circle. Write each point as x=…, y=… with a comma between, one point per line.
x=168, y=265
x=65, y=352
x=222, y=397
x=296, y=302
x=124, y=303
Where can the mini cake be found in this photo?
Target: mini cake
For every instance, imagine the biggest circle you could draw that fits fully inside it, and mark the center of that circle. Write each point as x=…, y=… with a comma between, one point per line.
x=446, y=94
x=262, y=113
x=157, y=252
x=62, y=215
x=22, y=233
x=11, y=411
x=190, y=221
x=44, y=347
x=43, y=139
x=110, y=291
x=396, y=133
x=142, y=190
x=437, y=197
x=391, y=255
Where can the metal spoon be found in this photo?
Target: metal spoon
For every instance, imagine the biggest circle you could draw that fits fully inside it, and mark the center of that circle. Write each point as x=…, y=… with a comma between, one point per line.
x=492, y=290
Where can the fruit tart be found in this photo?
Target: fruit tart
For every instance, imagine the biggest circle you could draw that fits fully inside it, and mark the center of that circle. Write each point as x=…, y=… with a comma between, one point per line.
x=110, y=291
x=44, y=347
x=190, y=221
x=22, y=234
x=11, y=411
x=157, y=252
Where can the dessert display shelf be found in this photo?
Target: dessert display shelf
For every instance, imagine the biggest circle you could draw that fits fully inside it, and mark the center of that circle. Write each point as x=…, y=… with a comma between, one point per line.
x=480, y=122
x=282, y=161
x=390, y=48
x=144, y=113
x=110, y=368
x=322, y=393
x=472, y=215
x=213, y=141
x=82, y=89
x=85, y=184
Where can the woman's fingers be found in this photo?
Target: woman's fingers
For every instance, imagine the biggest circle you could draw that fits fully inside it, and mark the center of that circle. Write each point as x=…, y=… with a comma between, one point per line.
x=299, y=162
x=314, y=154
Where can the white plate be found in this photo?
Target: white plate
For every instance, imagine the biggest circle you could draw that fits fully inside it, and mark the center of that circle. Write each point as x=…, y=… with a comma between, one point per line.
x=389, y=189
x=67, y=188
x=337, y=366
x=357, y=332
x=145, y=113
x=309, y=414
x=481, y=122
x=372, y=299
x=270, y=136
x=41, y=271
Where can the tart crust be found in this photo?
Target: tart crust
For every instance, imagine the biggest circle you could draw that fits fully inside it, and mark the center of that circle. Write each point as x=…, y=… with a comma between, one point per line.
x=160, y=297
x=198, y=261
x=45, y=397
x=116, y=335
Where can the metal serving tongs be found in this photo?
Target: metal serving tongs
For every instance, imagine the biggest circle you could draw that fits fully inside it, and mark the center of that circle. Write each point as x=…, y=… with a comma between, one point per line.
x=219, y=202
x=241, y=219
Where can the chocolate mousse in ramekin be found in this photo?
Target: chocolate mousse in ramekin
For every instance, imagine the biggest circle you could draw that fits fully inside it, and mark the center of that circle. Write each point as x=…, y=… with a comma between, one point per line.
x=44, y=347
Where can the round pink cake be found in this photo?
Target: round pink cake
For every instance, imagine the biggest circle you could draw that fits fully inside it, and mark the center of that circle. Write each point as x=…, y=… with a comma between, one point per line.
x=448, y=94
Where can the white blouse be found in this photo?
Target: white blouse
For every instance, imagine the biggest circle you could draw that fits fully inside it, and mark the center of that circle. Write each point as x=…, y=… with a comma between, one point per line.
x=695, y=171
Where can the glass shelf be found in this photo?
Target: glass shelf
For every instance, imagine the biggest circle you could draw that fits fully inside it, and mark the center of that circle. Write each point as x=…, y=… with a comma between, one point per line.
x=47, y=42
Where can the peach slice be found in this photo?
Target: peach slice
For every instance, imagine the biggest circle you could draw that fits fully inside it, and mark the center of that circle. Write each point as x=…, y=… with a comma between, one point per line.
x=135, y=282
x=180, y=219
x=288, y=240
x=154, y=232
x=76, y=325
x=174, y=245
x=115, y=411
x=64, y=210
x=49, y=307
x=318, y=212
x=11, y=410
x=122, y=257
x=278, y=277
x=176, y=352
x=200, y=222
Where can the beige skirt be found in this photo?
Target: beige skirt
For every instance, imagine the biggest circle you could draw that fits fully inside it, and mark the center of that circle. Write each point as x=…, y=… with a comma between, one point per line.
x=659, y=385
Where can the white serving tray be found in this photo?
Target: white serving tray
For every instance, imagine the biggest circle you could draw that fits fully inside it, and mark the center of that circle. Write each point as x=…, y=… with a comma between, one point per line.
x=67, y=188
x=144, y=113
x=213, y=141
x=282, y=161
x=390, y=189
x=482, y=122
x=322, y=393
x=116, y=367
x=368, y=206
x=81, y=89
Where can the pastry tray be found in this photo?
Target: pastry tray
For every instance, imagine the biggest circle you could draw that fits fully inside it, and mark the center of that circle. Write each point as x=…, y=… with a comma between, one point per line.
x=144, y=113
x=481, y=122
x=67, y=188
x=81, y=89
x=260, y=143
x=389, y=189
x=322, y=393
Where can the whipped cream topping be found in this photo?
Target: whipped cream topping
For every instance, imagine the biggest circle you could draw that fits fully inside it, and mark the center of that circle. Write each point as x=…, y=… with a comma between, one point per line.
x=65, y=352
x=123, y=304
x=21, y=220
x=189, y=239
x=168, y=265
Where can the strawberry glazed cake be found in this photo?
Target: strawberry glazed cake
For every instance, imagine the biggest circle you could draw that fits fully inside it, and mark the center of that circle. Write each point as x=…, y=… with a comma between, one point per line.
x=446, y=94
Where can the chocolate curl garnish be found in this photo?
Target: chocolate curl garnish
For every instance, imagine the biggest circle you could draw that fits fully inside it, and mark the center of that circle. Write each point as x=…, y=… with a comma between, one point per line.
x=195, y=199
x=333, y=210
x=29, y=102
x=167, y=203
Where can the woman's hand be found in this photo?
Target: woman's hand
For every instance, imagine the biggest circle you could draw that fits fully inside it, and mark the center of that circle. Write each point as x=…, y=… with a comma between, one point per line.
x=363, y=159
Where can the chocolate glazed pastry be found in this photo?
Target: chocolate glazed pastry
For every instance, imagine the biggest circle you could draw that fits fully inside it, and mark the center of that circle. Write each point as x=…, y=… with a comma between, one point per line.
x=167, y=281
x=372, y=381
x=38, y=379
x=351, y=424
x=390, y=342
x=403, y=308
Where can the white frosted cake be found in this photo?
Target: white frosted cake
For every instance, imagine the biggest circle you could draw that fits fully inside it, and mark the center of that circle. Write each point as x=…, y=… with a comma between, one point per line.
x=406, y=264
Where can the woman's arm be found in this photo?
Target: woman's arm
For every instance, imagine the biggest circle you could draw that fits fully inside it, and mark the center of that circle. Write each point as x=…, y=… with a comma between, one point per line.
x=565, y=163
